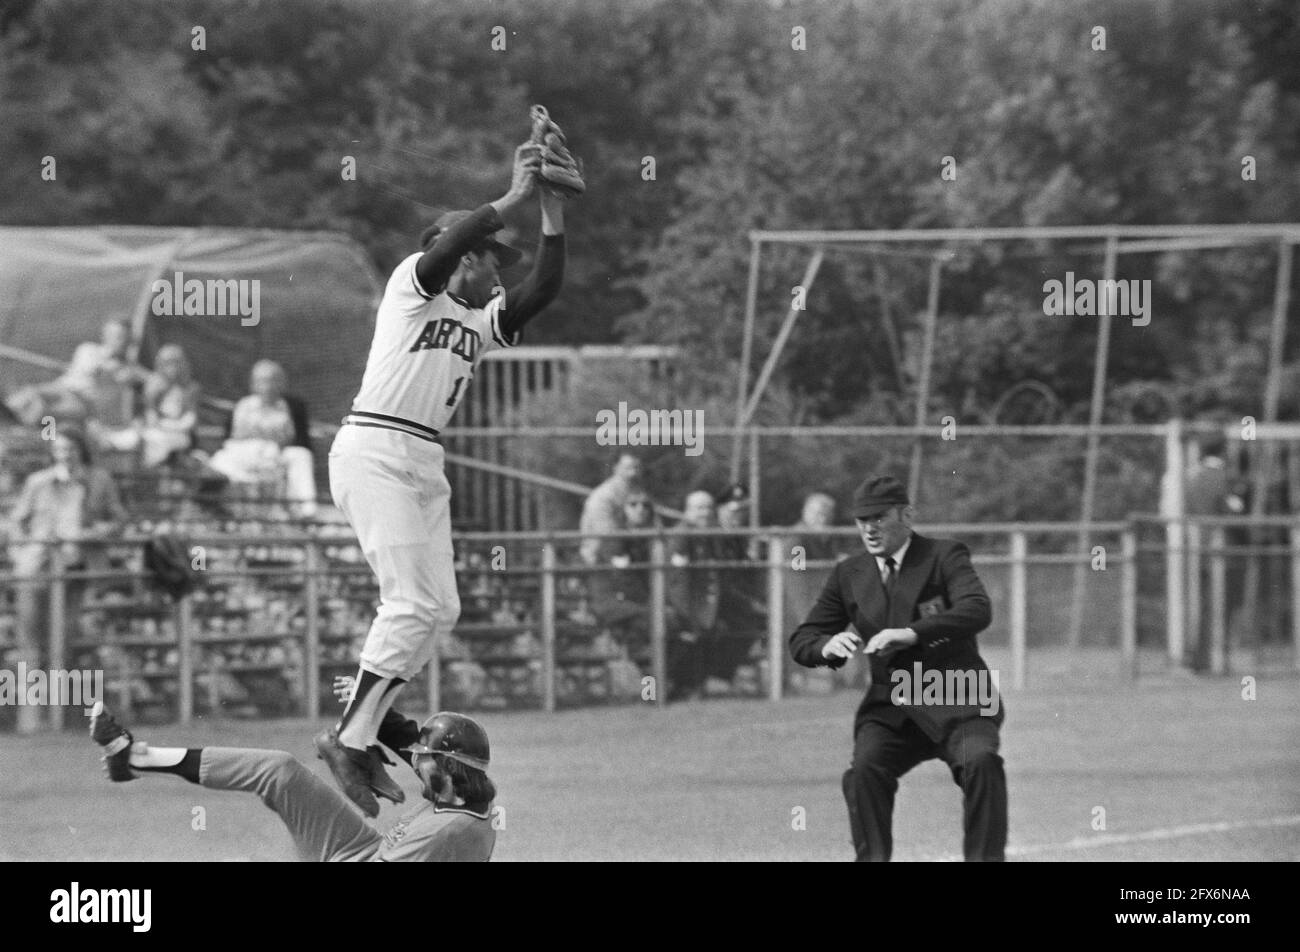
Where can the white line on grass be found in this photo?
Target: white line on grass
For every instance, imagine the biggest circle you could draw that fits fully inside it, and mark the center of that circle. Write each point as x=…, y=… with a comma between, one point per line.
x=1149, y=836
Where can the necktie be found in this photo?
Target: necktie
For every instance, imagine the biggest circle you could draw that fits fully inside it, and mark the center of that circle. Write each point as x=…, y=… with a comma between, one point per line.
x=889, y=576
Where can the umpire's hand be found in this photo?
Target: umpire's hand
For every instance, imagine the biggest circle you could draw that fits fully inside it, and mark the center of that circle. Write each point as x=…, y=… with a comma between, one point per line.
x=842, y=645
x=889, y=640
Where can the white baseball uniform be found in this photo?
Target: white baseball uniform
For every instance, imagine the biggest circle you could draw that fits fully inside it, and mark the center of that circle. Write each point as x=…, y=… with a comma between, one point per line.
x=386, y=464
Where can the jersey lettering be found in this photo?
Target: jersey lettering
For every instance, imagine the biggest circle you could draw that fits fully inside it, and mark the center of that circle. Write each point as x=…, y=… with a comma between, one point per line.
x=440, y=334
x=467, y=346
x=397, y=381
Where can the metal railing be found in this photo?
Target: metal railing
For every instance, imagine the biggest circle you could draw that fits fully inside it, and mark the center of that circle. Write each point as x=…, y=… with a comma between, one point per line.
x=544, y=565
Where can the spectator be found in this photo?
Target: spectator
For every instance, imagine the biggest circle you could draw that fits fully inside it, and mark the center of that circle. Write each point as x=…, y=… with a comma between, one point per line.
x=65, y=502
x=602, y=513
x=99, y=386
x=264, y=444
x=620, y=596
x=171, y=406
x=806, y=546
x=817, y=516
x=742, y=607
x=694, y=594
x=1210, y=490
x=733, y=507
x=171, y=410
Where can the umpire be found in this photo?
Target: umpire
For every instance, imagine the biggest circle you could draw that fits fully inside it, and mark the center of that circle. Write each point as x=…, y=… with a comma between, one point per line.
x=919, y=604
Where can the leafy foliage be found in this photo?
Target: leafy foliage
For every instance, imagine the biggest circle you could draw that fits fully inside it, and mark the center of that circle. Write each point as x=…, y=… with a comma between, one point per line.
x=745, y=131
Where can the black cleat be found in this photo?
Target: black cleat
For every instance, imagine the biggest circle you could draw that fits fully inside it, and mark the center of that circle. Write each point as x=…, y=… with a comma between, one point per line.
x=116, y=741
x=351, y=769
x=382, y=784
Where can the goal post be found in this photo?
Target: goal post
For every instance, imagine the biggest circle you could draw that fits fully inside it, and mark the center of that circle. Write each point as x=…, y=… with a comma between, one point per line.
x=1110, y=241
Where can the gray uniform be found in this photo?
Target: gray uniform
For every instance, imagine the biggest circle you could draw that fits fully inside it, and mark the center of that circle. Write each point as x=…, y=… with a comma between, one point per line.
x=325, y=827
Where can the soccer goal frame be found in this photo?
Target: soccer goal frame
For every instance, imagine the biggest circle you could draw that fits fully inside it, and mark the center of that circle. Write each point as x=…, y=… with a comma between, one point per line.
x=936, y=246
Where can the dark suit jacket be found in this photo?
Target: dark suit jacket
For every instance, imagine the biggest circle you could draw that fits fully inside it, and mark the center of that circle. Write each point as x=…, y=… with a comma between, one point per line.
x=938, y=595
x=694, y=592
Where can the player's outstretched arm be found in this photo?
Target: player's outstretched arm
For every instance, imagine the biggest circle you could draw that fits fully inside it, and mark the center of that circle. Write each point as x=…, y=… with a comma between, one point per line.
x=538, y=289
x=435, y=267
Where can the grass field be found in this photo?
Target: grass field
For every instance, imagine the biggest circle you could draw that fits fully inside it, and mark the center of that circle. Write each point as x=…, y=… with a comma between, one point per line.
x=1183, y=767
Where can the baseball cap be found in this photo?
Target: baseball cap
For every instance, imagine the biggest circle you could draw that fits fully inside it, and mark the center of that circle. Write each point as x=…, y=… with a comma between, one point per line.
x=876, y=494
x=736, y=492
x=506, y=255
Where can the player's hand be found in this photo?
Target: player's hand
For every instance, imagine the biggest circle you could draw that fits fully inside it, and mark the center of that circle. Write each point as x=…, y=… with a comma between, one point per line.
x=523, y=177
x=842, y=645
x=343, y=687
x=889, y=640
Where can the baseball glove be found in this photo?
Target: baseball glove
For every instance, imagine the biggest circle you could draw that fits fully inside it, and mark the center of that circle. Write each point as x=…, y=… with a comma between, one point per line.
x=561, y=173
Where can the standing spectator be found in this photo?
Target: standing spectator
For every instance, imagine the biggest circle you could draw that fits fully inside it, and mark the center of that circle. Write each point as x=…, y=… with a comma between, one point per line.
x=694, y=594
x=743, y=597
x=264, y=444
x=1210, y=490
x=602, y=513
x=61, y=504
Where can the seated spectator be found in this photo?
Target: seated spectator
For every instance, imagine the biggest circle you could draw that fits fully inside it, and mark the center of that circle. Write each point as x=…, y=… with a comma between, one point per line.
x=171, y=411
x=264, y=444
x=620, y=596
x=99, y=387
x=805, y=545
x=602, y=513
x=297, y=413
x=66, y=502
x=808, y=533
x=171, y=406
x=732, y=506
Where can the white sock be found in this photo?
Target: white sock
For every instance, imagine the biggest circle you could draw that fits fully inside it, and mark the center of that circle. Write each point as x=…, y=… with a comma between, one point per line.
x=144, y=757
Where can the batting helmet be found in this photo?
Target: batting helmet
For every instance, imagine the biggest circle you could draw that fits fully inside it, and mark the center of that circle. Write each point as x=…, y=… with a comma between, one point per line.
x=461, y=738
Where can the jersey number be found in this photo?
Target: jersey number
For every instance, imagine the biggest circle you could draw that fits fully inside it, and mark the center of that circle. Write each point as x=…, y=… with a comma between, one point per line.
x=455, y=392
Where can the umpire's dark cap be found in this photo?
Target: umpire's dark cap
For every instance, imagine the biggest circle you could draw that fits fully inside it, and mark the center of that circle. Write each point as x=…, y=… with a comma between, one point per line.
x=877, y=494
x=506, y=255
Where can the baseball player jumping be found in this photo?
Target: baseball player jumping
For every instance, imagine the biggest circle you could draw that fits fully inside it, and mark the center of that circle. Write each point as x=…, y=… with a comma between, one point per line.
x=441, y=312
x=449, y=754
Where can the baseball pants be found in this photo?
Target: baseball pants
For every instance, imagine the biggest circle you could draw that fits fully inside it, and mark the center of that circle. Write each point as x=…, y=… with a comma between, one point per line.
x=392, y=488
x=324, y=826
